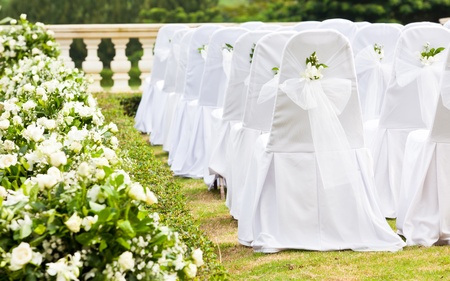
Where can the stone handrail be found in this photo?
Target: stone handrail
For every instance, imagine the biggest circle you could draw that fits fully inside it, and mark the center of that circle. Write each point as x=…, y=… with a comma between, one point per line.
x=120, y=35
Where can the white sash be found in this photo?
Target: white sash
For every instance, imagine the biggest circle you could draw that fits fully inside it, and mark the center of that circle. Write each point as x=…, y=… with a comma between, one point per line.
x=226, y=61
x=325, y=99
x=368, y=63
x=427, y=77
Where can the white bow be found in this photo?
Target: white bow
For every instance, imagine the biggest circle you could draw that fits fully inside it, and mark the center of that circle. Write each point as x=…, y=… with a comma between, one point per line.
x=367, y=63
x=325, y=99
x=427, y=78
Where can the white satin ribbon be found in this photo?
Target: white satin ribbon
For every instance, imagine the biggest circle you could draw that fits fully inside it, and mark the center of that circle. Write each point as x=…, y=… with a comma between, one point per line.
x=427, y=79
x=324, y=100
x=368, y=63
x=269, y=89
x=162, y=54
x=226, y=61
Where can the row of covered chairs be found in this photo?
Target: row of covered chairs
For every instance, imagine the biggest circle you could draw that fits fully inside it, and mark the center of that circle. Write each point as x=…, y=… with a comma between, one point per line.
x=230, y=102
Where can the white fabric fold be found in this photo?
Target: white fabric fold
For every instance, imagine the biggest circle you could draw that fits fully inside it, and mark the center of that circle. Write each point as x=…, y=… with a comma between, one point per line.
x=367, y=62
x=269, y=89
x=226, y=61
x=427, y=77
x=445, y=92
x=162, y=54
x=324, y=100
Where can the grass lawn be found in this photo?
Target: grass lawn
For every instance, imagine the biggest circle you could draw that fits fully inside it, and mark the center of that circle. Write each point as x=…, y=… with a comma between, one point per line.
x=209, y=212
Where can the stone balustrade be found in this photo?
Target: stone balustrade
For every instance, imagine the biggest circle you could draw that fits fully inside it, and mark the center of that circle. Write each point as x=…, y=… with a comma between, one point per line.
x=120, y=34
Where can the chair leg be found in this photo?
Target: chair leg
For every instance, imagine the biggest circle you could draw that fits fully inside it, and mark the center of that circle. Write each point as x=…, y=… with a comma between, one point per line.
x=222, y=184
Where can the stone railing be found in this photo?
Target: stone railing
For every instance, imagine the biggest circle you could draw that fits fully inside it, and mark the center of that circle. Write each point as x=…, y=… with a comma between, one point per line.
x=120, y=34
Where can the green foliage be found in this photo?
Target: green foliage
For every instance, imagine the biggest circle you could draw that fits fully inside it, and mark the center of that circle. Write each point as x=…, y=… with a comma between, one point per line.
x=144, y=167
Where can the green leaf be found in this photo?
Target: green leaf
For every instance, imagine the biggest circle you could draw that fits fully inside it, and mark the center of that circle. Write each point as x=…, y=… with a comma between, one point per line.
x=123, y=242
x=37, y=241
x=85, y=238
x=103, y=245
x=40, y=229
x=126, y=227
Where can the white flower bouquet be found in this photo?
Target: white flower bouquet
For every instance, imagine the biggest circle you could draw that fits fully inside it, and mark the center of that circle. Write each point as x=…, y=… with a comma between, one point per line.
x=67, y=210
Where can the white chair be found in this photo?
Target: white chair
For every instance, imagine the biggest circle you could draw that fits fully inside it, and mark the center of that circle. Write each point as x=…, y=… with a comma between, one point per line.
x=409, y=104
x=361, y=24
x=175, y=96
x=343, y=26
x=420, y=24
x=424, y=209
x=193, y=160
x=311, y=174
x=251, y=25
x=194, y=70
x=245, y=131
x=160, y=96
x=306, y=25
x=374, y=67
x=162, y=49
x=269, y=26
x=235, y=92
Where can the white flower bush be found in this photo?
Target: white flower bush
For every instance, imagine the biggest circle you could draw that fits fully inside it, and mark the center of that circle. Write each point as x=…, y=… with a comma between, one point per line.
x=67, y=211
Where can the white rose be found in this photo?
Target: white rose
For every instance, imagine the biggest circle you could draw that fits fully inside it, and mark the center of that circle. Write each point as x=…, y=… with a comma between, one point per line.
x=119, y=277
x=8, y=160
x=54, y=173
x=137, y=192
x=20, y=256
x=114, y=141
x=58, y=158
x=3, y=192
x=17, y=120
x=74, y=223
x=50, y=124
x=4, y=124
x=76, y=146
x=88, y=222
x=84, y=169
x=113, y=128
x=28, y=87
x=100, y=174
x=190, y=270
x=23, y=16
x=9, y=145
x=126, y=261
x=197, y=256
x=150, y=197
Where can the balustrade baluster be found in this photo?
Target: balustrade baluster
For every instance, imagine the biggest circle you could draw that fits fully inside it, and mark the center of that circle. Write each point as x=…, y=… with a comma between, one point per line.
x=145, y=64
x=64, y=45
x=92, y=65
x=120, y=66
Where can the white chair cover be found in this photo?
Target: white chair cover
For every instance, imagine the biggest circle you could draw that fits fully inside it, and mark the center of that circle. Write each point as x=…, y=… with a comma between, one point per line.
x=193, y=161
x=174, y=97
x=295, y=206
x=373, y=71
x=235, y=93
x=268, y=26
x=306, y=25
x=424, y=209
x=251, y=25
x=160, y=96
x=243, y=138
x=447, y=24
x=420, y=24
x=194, y=70
x=162, y=49
x=409, y=104
x=345, y=27
x=361, y=24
